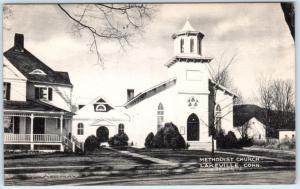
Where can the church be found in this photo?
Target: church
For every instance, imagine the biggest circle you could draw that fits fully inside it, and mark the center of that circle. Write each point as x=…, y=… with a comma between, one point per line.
x=185, y=99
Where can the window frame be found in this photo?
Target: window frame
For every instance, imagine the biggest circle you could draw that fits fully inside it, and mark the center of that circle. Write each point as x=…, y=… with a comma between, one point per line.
x=121, y=128
x=181, y=45
x=6, y=90
x=80, y=129
x=192, y=45
x=160, y=115
x=47, y=93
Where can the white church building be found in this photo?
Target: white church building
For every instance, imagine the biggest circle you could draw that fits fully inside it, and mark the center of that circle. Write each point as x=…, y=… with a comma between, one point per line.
x=185, y=99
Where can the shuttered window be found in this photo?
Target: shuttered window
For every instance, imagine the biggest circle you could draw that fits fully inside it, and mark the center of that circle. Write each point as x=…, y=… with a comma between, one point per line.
x=43, y=93
x=6, y=91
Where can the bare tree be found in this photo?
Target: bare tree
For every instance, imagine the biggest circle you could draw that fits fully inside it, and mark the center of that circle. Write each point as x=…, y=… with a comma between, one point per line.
x=219, y=75
x=243, y=130
x=277, y=98
x=117, y=22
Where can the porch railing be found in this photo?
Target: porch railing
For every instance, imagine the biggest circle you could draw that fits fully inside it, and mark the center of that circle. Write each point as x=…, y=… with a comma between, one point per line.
x=8, y=137
x=46, y=138
x=25, y=138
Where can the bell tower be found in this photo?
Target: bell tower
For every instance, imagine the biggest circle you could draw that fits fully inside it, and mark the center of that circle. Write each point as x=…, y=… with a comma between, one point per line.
x=188, y=64
x=188, y=41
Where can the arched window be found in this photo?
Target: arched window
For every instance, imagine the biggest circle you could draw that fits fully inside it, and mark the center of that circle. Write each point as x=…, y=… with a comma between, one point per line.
x=218, y=118
x=121, y=128
x=160, y=116
x=192, y=45
x=181, y=45
x=80, y=129
x=38, y=72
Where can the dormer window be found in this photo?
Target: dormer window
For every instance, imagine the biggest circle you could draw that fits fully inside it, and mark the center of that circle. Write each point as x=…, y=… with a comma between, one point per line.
x=43, y=93
x=181, y=45
x=38, y=72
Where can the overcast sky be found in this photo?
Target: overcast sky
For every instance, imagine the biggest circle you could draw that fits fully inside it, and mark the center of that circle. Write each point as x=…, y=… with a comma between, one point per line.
x=256, y=33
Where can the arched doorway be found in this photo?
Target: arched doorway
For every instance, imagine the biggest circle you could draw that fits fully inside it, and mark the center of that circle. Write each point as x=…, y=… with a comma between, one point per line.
x=102, y=133
x=193, y=128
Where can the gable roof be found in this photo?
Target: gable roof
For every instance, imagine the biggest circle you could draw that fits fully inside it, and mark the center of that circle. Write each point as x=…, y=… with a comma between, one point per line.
x=26, y=62
x=243, y=113
x=150, y=92
x=221, y=87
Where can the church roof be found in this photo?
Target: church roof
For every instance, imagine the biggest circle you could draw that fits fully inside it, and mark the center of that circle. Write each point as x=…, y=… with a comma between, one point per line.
x=187, y=27
x=188, y=59
x=150, y=92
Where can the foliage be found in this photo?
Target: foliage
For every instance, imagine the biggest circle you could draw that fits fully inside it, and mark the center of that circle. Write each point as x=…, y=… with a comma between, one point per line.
x=149, y=140
x=166, y=137
x=91, y=143
x=120, y=139
x=228, y=141
x=245, y=142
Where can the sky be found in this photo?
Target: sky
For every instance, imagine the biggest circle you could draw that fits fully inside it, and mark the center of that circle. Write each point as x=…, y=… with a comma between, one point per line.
x=255, y=33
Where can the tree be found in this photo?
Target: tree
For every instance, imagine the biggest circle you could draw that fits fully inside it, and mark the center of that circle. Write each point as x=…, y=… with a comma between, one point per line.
x=277, y=98
x=288, y=9
x=220, y=77
x=117, y=22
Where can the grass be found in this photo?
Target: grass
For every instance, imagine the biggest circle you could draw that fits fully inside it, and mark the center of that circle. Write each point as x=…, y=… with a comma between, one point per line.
x=97, y=158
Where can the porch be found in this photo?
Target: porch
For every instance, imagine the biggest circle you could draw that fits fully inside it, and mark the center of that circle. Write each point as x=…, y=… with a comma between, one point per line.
x=47, y=131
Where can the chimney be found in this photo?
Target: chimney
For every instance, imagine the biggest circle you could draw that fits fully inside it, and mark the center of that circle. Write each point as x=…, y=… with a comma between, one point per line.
x=19, y=42
x=130, y=94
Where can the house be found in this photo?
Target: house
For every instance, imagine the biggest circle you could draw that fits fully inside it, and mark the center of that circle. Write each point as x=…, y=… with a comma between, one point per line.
x=249, y=120
x=185, y=99
x=37, y=102
x=259, y=125
x=287, y=136
x=99, y=116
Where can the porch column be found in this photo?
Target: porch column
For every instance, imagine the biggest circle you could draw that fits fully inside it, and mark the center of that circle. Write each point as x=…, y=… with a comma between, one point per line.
x=31, y=131
x=61, y=132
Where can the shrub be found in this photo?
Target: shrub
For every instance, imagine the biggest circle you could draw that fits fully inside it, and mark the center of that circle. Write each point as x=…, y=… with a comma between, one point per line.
x=231, y=141
x=166, y=137
x=246, y=142
x=91, y=143
x=120, y=139
x=149, y=140
x=220, y=139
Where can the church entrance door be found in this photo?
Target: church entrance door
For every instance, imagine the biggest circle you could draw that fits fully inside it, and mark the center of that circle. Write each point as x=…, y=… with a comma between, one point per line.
x=193, y=128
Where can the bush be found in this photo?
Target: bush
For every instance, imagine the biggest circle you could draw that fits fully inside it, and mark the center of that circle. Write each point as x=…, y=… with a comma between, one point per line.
x=228, y=141
x=220, y=139
x=231, y=141
x=166, y=137
x=246, y=142
x=120, y=139
x=149, y=140
x=91, y=143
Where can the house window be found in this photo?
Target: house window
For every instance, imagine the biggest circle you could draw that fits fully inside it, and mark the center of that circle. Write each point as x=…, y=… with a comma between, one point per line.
x=6, y=91
x=160, y=116
x=218, y=118
x=80, y=129
x=192, y=45
x=43, y=93
x=181, y=45
x=38, y=72
x=121, y=128
x=13, y=125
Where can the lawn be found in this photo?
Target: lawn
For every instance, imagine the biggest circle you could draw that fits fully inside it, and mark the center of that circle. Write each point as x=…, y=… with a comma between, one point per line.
x=100, y=157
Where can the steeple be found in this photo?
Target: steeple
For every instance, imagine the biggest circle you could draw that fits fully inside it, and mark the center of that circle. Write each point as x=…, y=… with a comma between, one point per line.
x=187, y=26
x=188, y=41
